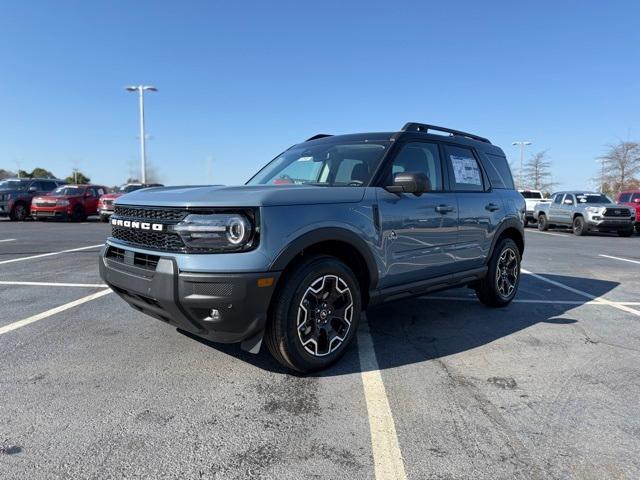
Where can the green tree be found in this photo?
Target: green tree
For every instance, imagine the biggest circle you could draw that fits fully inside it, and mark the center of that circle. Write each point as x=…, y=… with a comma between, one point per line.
x=77, y=177
x=23, y=174
x=6, y=174
x=41, y=173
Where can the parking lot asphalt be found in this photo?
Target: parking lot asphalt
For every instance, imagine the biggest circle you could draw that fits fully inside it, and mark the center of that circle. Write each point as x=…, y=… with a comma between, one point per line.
x=440, y=387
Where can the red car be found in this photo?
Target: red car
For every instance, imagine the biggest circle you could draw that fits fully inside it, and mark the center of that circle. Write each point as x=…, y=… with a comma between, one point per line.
x=105, y=207
x=631, y=198
x=75, y=202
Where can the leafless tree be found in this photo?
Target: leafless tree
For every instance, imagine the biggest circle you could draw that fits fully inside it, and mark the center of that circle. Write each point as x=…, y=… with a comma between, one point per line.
x=537, y=173
x=620, y=166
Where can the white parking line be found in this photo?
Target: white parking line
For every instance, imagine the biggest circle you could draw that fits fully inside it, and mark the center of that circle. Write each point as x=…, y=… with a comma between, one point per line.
x=619, y=306
x=387, y=458
x=49, y=254
x=53, y=311
x=8, y=240
x=548, y=233
x=621, y=259
x=53, y=284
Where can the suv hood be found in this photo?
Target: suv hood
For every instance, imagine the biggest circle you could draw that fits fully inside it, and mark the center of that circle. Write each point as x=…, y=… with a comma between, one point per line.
x=242, y=196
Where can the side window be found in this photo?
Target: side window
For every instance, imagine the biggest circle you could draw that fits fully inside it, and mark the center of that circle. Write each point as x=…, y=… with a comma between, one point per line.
x=625, y=197
x=467, y=175
x=38, y=186
x=419, y=157
x=99, y=191
x=498, y=171
x=558, y=198
x=350, y=171
x=48, y=186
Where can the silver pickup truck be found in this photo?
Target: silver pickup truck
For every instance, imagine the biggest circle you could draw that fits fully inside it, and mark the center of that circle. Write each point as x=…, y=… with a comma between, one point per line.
x=584, y=212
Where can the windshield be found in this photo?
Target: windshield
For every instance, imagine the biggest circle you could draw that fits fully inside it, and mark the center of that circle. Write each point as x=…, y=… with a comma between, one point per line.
x=13, y=185
x=593, y=198
x=334, y=164
x=71, y=191
x=531, y=194
x=129, y=188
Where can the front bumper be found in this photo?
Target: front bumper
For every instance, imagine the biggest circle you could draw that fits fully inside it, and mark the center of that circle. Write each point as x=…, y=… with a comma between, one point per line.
x=106, y=212
x=40, y=212
x=611, y=224
x=155, y=286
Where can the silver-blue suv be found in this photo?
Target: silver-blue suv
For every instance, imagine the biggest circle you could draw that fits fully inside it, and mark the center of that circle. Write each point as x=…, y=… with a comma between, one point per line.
x=331, y=227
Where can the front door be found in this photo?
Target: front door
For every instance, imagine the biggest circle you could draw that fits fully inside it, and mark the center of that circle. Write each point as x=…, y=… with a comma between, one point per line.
x=419, y=232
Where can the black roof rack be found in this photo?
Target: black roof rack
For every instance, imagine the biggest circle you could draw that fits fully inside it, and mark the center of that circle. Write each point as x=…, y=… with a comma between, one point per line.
x=320, y=135
x=423, y=127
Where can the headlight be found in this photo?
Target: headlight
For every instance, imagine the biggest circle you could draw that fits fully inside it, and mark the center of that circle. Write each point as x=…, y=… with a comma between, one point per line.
x=62, y=203
x=593, y=209
x=219, y=231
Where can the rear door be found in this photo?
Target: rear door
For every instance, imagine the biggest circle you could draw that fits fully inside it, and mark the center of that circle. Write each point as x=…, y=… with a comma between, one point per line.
x=568, y=207
x=419, y=232
x=480, y=208
x=555, y=209
x=91, y=200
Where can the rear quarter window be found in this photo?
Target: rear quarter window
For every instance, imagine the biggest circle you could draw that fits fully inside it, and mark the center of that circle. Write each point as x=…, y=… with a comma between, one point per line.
x=498, y=171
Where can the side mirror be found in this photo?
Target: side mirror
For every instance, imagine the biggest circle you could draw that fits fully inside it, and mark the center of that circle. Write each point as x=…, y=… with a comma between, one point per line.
x=409, y=182
x=32, y=189
x=636, y=200
x=568, y=202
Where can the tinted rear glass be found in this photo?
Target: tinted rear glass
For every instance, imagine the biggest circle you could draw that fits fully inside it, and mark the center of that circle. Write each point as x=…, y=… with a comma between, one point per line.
x=498, y=171
x=531, y=194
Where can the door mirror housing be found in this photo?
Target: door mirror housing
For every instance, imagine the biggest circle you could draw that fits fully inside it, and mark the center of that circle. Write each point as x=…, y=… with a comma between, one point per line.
x=636, y=200
x=409, y=182
x=32, y=189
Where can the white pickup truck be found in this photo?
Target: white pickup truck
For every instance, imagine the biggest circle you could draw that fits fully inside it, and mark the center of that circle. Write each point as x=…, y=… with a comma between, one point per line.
x=531, y=198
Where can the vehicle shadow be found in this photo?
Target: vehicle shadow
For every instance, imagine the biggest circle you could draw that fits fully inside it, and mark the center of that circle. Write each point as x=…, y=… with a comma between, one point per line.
x=421, y=329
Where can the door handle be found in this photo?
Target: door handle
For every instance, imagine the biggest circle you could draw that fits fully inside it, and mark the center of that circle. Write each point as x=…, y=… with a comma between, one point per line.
x=492, y=207
x=444, y=208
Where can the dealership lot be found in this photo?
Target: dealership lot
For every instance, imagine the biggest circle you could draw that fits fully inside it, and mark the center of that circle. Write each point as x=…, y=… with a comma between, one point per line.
x=547, y=387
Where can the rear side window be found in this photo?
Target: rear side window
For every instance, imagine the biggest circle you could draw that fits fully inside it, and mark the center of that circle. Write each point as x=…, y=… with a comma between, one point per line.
x=625, y=197
x=498, y=171
x=530, y=195
x=467, y=175
x=48, y=186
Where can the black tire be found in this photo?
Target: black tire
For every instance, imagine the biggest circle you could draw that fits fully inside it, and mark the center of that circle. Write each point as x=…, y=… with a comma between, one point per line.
x=526, y=223
x=543, y=226
x=492, y=290
x=290, y=345
x=104, y=218
x=19, y=212
x=625, y=233
x=579, y=226
x=78, y=214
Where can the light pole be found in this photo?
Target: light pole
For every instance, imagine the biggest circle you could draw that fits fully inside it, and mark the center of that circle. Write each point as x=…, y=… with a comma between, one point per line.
x=522, y=144
x=143, y=157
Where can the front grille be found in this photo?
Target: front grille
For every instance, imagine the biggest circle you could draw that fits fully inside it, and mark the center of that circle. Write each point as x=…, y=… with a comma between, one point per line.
x=167, y=241
x=140, y=213
x=108, y=202
x=45, y=204
x=617, y=212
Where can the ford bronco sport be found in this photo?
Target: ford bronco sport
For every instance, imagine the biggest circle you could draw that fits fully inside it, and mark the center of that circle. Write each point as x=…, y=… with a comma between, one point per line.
x=330, y=227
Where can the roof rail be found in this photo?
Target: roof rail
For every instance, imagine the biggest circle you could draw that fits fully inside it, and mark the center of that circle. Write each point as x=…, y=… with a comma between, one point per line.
x=320, y=135
x=423, y=127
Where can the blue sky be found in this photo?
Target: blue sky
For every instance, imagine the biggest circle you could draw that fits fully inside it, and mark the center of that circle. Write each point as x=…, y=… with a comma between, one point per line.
x=241, y=81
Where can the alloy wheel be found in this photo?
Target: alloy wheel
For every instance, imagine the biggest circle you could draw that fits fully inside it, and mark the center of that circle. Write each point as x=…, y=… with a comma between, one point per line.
x=507, y=273
x=325, y=313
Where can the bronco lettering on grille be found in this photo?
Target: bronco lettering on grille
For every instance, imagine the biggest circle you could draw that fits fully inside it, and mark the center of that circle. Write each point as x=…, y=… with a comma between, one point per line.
x=156, y=227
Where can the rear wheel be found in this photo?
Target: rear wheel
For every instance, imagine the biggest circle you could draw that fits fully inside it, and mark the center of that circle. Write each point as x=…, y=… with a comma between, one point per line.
x=579, y=226
x=315, y=314
x=500, y=285
x=543, y=226
x=19, y=212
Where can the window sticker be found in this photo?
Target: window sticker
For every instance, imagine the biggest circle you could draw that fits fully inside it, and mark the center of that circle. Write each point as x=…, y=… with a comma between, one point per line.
x=466, y=170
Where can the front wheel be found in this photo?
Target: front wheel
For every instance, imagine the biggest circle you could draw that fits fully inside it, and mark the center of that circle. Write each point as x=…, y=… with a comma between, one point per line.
x=579, y=226
x=500, y=285
x=315, y=315
x=19, y=212
x=78, y=214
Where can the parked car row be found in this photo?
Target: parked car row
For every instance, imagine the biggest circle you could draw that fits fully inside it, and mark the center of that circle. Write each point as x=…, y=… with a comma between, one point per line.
x=586, y=212
x=46, y=198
